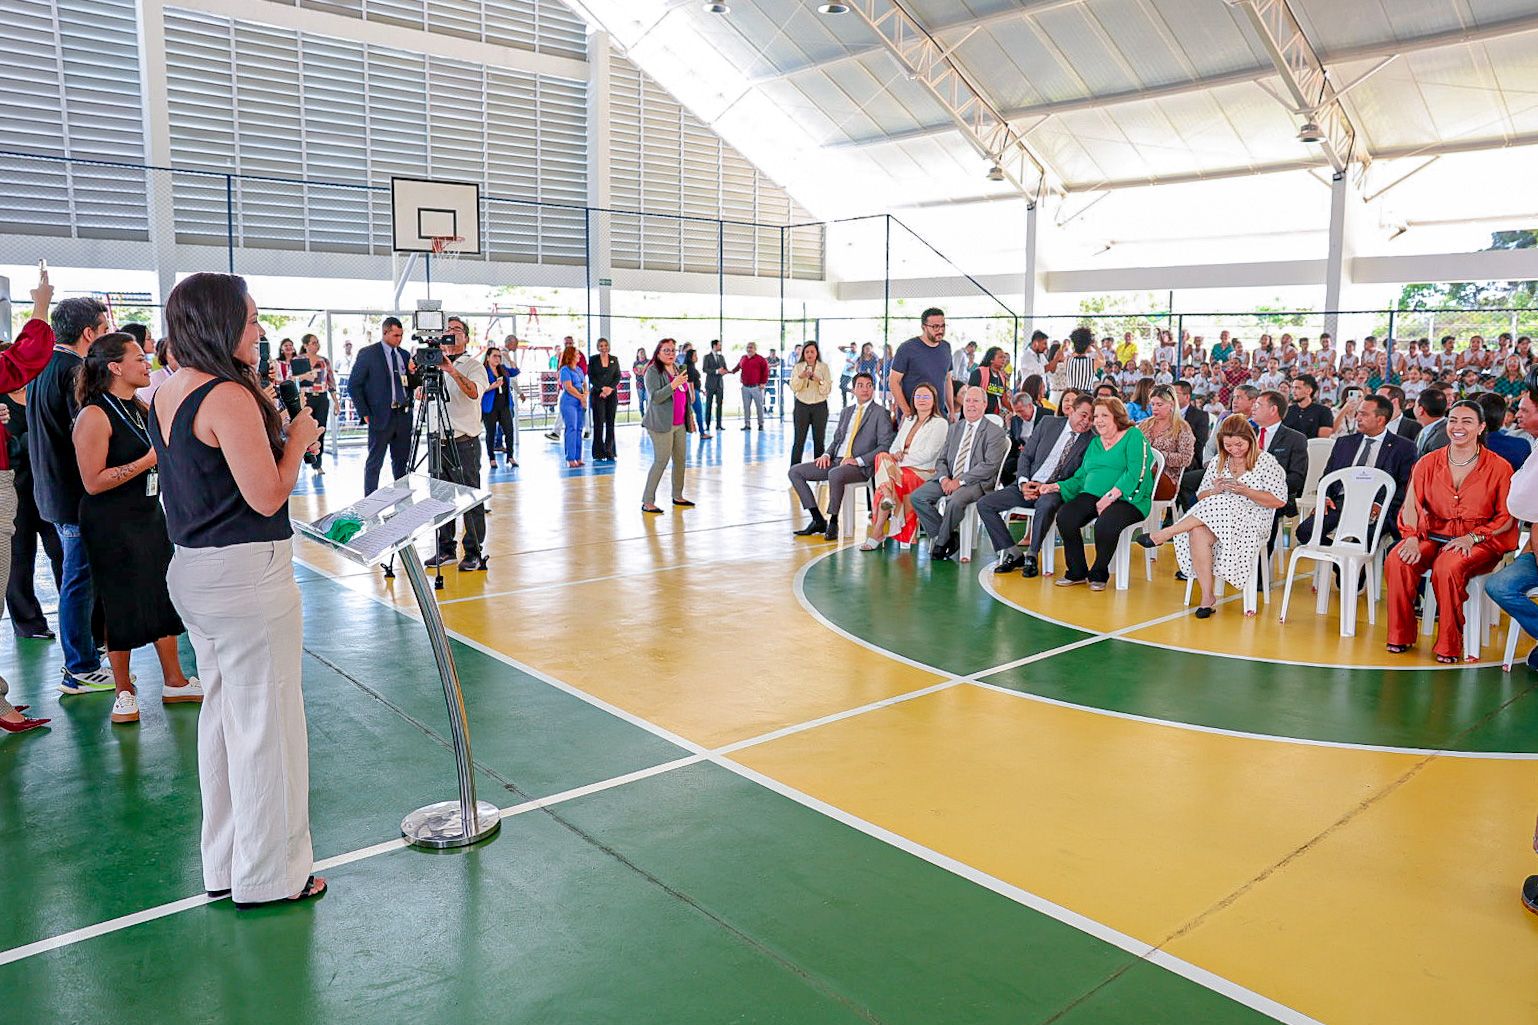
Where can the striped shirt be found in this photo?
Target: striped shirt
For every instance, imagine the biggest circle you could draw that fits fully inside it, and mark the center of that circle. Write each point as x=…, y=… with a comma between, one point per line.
x=1079, y=373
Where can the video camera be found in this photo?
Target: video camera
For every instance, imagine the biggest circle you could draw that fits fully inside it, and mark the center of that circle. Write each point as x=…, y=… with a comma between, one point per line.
x=429, y=331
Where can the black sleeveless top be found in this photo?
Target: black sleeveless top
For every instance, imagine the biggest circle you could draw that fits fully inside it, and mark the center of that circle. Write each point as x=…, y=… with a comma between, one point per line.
x=204, y=507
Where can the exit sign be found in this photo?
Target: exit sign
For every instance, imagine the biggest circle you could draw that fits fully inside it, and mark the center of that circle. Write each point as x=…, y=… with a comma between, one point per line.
x=605, y=282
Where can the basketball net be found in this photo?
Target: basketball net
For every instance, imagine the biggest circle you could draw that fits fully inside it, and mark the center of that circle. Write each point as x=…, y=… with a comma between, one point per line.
x=442, y=246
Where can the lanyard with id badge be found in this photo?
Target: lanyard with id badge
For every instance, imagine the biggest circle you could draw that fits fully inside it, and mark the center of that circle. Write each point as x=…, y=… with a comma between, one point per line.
x=136, y=424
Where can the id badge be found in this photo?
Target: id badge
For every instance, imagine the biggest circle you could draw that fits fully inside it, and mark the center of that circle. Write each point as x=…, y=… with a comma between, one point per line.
x=152, y=483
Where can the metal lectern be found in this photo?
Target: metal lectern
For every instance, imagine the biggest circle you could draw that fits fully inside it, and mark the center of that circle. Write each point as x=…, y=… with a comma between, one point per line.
x=389, y=523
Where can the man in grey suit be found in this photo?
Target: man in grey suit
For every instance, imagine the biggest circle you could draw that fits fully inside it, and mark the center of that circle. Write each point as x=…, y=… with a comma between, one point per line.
x=1053, y=453
x=967, y=470
x=1431, y=412
x=864, y=429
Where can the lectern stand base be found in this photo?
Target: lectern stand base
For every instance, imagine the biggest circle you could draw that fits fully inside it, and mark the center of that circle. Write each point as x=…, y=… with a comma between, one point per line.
x=441, y=825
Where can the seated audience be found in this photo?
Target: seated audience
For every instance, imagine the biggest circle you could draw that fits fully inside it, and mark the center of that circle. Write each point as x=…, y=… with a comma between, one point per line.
x=1371, y=444
x=1306, y=416
x=1431, y=414
x=1019, y=425
x=967, y=469
x=1113, y=488
x=1053, y=454
x=1222, y=534
x=1455, y=525
x=905, y=467
x=1512, y=449
x=864, y=429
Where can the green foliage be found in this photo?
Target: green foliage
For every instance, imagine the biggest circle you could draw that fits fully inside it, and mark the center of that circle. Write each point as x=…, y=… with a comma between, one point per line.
x=1478, y=294
x=1115, y=315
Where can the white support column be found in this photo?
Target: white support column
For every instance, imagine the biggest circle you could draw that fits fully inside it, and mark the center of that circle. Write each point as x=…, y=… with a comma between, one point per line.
x=1346, y=215
x=599, y=193
x=157, y=134
x=1032, y=265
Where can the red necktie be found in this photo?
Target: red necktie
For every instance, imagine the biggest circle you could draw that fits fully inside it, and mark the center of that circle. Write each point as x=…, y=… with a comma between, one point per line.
x=1263, y=431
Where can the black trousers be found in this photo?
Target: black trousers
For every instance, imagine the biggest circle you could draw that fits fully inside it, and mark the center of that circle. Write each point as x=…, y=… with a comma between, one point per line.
x=387, y=432
x=714, y=399
x=1071, y=521
x=20, y=592
x=466, y=453
x=813, y=416
x=501, y=415
x=320, y=408
x=604, y=411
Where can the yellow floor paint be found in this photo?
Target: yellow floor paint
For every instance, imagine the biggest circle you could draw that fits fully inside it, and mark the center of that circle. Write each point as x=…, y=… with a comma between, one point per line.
x=1305, y=637
x=1407, y=913
x=716, y=655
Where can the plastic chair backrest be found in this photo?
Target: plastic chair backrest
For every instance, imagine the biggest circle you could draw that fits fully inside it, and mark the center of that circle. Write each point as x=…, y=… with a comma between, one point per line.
x=995, y=418
x=1361, y=488
x=1318, y=458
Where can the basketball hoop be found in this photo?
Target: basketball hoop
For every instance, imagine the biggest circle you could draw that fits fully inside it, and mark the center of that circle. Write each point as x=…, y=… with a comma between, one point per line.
x=446, y=247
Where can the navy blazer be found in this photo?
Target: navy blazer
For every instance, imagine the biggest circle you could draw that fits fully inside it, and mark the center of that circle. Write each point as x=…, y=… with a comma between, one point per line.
x=369, y=383
x=1291, y=450
x=1396, y=457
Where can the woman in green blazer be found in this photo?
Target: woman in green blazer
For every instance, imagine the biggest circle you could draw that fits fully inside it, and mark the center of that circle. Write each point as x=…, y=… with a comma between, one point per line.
x=1113, y=487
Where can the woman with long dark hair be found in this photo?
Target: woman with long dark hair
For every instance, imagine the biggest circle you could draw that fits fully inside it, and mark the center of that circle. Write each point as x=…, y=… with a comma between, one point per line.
x=811, y=382
x=497, y=405
x=696, y=391
x=227, y=469
x=319, y=387
x=668, y=420
x=121, y=524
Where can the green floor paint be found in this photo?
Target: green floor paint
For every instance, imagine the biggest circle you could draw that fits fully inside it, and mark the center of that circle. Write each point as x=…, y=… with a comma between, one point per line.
x=1450, y=709
x=935, y=613
x=98, y=820
x=693, y=896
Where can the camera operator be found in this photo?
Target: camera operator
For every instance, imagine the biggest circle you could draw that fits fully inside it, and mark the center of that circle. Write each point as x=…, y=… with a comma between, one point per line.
x=464, y=382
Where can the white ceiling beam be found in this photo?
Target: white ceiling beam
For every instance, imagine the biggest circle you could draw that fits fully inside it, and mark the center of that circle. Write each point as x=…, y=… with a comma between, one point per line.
x=1376, y=51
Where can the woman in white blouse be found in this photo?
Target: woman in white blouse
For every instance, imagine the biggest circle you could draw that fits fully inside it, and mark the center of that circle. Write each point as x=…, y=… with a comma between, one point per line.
x=902, y=470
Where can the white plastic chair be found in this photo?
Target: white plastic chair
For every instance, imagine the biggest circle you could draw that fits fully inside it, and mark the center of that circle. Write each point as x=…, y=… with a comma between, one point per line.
x=857, y=497
x=1121, y=562
x=1318, y=458
x=1357, y=536
x=1479, y=616
x=1513, y=633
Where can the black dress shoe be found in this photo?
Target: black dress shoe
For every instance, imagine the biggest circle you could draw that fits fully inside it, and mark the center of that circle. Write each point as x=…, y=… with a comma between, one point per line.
x=942, y=553
x=1530, y=894
x=831, y=533
x=1009, y=563
x=1030, y=569
x=1179, y=575
x=818, y=525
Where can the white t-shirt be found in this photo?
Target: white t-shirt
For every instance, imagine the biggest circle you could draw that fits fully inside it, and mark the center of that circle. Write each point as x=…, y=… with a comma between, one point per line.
x=465, y=412
x=1522, y=500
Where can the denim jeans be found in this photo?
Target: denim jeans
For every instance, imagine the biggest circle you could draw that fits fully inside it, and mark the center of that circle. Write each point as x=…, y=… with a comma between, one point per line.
x=75, y=599
x=1509, y=588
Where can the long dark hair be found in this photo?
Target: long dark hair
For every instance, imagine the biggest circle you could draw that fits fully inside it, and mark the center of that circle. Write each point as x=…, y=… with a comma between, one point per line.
x=95, y=376
x=205, y=317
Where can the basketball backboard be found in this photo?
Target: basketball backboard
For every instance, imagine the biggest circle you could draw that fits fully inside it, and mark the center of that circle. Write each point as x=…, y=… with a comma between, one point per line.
x=423, y=209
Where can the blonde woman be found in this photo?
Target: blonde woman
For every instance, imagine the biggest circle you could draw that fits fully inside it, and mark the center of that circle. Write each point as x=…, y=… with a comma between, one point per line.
x=1168, y=433
x=811, y=382
x=1222, y=534
x=904, y=468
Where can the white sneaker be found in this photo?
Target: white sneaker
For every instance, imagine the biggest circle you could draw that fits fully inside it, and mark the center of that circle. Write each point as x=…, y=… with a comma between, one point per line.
x=95, y=682
x=872, y=544
x=193, y=691
x=126, y=707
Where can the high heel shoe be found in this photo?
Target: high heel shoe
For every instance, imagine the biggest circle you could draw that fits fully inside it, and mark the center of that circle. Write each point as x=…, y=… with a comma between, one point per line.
x=1205, y=612
x=1146, y=541
x=23, y=726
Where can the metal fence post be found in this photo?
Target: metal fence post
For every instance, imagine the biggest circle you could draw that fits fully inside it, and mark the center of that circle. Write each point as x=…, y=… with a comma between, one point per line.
x=229, y=217
x=1388, y=371
x=886, y=290
x=587, y=268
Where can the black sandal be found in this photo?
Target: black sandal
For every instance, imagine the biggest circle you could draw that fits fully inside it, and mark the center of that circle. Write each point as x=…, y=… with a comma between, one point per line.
x=217, y=894
x=308, y=893
x=1398, y=649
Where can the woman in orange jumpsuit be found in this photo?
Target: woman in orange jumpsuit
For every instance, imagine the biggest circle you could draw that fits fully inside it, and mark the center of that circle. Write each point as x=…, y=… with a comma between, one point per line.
x=1454, y=524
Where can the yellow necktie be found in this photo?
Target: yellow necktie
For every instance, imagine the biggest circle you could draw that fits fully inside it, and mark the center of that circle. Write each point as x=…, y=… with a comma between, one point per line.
x=854, y=430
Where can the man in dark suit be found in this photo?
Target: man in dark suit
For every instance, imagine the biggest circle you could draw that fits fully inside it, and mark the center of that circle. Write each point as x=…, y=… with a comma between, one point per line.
x=967, y=470
x=1288, y=446
x=1373, y=445
x=864, y=429
x=1431, y=413
x=1402, y=422
x=1201, y=426
x=1053, y=453
x=713, y=372
x=381, y=386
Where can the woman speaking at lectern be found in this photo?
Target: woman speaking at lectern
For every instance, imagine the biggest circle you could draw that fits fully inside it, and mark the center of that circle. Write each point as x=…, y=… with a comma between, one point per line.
x=226, y=471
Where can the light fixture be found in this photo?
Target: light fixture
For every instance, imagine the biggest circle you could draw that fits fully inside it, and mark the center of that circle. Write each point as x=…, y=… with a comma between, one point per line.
x=995, y=173
x=1310, y=132
x=832, y=8
x=717, y=9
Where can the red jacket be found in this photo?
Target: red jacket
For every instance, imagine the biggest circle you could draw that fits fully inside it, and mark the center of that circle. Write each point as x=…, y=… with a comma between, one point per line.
x=19, y=364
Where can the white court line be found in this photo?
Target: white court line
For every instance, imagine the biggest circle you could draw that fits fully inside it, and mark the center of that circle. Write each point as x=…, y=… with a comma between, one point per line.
x=553, y=585
x=1104, y=933
x=188, y=903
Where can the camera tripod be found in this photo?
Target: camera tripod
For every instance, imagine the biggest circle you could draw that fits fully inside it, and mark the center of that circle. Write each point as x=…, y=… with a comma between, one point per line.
x=431, y=425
